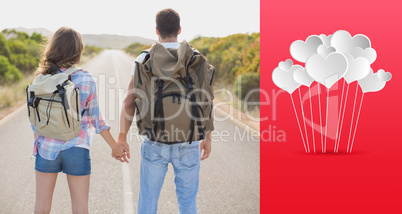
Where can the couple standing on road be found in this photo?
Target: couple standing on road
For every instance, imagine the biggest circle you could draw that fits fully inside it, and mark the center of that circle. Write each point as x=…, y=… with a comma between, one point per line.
x=166, y=67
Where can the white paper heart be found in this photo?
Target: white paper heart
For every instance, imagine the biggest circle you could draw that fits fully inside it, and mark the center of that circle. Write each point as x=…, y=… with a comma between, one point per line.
x=324, y=50
x=327, y=70
x=343, y=42
x=371, y=83
x=301, y=76
x=301, y=50
x=357, y=68
x=369, y=53
x=284, y=80
x=286, y=65
x=384, y=76
x=326, y=40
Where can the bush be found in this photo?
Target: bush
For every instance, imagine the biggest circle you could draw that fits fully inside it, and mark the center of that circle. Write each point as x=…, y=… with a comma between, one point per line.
x=90, y=50
x=245, y=83
x=232, y=55
x=8, y=73
x=136, y=48
x=4, y=65
x=17, y=46
x=24, y=62
x=38, y=37
x=4, y=50
x=13, y=74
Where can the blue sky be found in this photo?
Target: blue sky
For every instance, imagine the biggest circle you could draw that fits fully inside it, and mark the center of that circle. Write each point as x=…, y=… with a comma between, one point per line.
x=134, y=18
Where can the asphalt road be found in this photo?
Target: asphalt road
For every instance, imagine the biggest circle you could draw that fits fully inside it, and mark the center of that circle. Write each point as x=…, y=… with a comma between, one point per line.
x=229, y=178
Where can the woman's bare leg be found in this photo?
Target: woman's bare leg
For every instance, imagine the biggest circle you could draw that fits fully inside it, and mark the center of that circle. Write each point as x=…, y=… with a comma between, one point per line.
x=79, y=191
x=45, y=183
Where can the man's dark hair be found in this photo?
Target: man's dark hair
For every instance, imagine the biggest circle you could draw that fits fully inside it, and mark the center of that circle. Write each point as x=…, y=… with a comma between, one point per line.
x=168, y=23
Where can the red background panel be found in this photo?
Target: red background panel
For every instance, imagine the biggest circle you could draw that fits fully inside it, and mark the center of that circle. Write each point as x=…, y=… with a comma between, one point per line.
x=370, y=179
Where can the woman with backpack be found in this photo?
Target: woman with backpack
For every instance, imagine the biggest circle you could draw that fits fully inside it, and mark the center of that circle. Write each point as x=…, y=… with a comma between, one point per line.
x=69, y=156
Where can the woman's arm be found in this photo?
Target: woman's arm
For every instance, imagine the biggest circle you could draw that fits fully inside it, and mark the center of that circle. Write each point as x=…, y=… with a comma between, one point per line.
x=97, y=121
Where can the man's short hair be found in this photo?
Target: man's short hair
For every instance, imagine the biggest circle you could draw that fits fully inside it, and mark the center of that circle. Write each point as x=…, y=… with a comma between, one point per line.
x=168, y=23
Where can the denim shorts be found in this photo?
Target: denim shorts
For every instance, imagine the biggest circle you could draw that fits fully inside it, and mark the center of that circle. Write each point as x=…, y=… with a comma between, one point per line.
x=73, y=161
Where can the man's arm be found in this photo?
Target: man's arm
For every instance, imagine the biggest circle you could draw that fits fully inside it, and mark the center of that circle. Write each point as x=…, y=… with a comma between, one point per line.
x=126, y=116
x=206, y=143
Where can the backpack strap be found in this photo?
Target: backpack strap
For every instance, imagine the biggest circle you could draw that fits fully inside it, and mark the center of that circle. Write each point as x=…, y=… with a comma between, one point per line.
x=194, y=105
x=158, y=110
x=147, y=55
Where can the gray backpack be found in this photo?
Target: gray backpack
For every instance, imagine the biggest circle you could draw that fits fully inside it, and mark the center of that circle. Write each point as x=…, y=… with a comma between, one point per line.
x=173, y=89
x=53, y=105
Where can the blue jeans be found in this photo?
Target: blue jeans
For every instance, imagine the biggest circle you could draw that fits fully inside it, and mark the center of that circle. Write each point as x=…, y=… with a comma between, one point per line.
x=155, y=158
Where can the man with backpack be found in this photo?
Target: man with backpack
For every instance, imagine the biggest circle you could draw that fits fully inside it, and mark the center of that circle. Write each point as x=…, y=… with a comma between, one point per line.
x=171, y=95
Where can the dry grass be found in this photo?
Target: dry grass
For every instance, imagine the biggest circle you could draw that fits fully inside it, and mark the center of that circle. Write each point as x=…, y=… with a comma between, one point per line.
x=12, y=96
x=235, y=102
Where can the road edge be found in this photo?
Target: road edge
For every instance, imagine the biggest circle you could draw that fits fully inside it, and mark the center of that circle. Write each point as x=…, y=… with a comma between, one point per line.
x=12, y=114
x=237, y=122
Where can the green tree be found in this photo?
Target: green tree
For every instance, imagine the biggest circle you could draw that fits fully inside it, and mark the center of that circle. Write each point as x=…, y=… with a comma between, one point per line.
x=17, y=46
x=22, y=35
x=37, y=37
x=233, y=56
x=13, y=74
x=4, y=65
x=4, y=50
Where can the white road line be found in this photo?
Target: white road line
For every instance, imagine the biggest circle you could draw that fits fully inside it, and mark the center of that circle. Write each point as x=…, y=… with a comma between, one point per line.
x=13, y=114
x=238, y=122
x=128, y=193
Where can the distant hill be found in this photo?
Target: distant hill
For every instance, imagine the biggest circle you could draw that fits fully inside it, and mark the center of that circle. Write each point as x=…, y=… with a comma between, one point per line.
x=102, y=41
x=45, y=32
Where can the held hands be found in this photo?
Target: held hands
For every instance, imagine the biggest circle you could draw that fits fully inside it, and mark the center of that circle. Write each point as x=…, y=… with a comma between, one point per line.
x=123, y=149
x=120, y=153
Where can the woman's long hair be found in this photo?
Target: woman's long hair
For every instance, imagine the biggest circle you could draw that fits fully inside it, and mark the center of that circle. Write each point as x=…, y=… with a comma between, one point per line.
x=63, y=51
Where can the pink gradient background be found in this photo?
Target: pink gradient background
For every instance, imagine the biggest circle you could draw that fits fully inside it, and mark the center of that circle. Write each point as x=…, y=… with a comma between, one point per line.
x=370, y=179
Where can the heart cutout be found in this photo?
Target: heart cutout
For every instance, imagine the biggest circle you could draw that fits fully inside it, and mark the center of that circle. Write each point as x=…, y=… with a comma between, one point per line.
x=384, y=76
x=286, y=65
x=343, y=42
x=326, y=40
x=327, y=70
x=284, y=79
x=357, y=68
x=301, y=76
x=371, y=83
x=301, y=50
x=369, y=53
x=325, y=51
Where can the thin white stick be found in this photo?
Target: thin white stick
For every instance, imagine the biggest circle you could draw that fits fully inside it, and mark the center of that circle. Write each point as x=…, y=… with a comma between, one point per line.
x=357, y=121
x=343, y=116
x=312, y=119
x=326, y=123
x=319, y=106
x=304, y=122
x=298, y=123
x=353, y=116
x=339, y=117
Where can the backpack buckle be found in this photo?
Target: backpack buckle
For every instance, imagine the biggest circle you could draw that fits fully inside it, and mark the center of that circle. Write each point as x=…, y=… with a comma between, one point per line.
x=60, y=91
x=160, y=83
x=36, y=102
x=31, y=99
